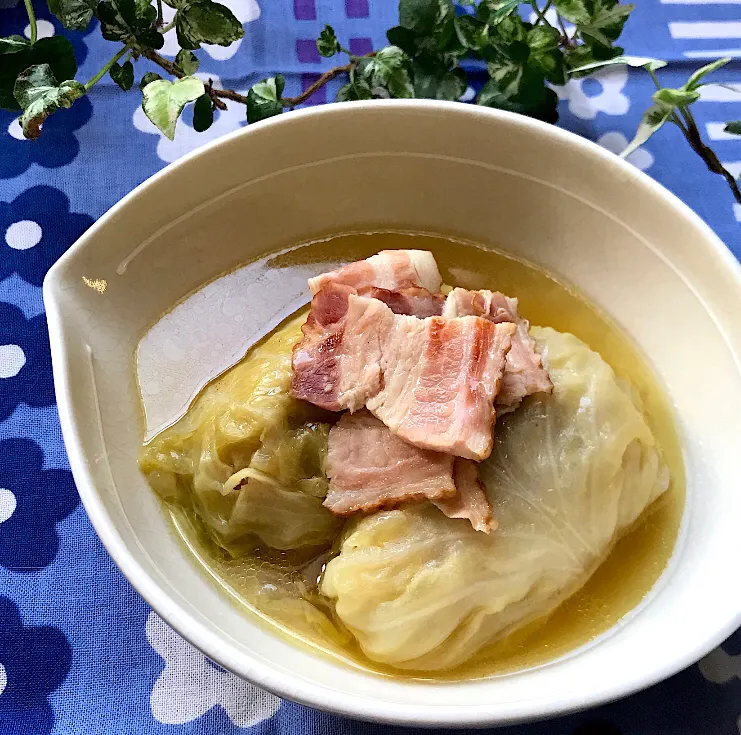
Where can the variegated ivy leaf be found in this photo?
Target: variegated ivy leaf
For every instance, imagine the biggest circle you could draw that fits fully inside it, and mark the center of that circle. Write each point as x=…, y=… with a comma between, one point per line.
x=164, y=101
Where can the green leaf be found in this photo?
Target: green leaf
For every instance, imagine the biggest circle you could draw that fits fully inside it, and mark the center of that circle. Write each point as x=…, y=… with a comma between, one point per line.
x=545, y=54
x=452, y=86
x=606, y=21
x=164, y=101
x=574, y=11
x=203, y=113
x=355, y=90
x=187, y=62
x=507, y=76
x=470, y=32
x=551, y=65
x=634, y=61
x=652, y=120
x=518, y=87
x=389, y=69
x=17, y=54
x=579, y=56
x=541, y=39
x=694, y=81
x=733, y=127
x=482, y=12
x=327, y=43
x=540, y=102
x=73, y=14
x=14, y=44
x=444, y=30
x=433, y=80
x=206, y=22
x=264, y=99
x=498, y=11
x=428, y=74
x=148, y=78
x=123, y=75
x=418, y=15
x=39, y=95
x=511, y=29
x=130, y=21
x=403, y=38
x=675, y=97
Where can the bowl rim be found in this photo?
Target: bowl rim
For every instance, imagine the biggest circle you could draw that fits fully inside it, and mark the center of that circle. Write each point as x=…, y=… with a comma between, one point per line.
x=262, y=673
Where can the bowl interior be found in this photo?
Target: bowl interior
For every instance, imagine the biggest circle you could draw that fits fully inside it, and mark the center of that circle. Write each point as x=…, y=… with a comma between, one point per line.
x=497, y=179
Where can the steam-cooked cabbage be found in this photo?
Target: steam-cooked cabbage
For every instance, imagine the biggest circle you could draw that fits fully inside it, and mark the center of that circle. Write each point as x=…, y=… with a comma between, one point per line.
x=569, y=474
x=247, y=457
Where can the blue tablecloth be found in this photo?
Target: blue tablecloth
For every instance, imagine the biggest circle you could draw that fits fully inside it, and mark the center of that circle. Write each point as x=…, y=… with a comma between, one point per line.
x=80, y=651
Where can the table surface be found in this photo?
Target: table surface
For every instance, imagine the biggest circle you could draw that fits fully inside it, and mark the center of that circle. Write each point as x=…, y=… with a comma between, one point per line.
x=80, y=651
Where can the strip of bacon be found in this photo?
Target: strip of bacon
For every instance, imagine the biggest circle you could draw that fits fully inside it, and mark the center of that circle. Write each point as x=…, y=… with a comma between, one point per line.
x=413, y=301
x=440, y=379
x=370, y=469
x=470, y=500
x=431, y=381
x=524, y=373
x=389, y=269
x=316, y=358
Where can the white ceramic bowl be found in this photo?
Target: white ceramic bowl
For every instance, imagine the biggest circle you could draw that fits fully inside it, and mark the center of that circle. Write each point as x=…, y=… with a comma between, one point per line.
x=545, y=195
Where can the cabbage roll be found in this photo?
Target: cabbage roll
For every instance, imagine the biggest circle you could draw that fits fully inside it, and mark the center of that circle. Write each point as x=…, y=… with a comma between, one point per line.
x=570, y=473
x=247, y=457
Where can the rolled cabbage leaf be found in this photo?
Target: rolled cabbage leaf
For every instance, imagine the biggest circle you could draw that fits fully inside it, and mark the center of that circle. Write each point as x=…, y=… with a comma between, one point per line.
x=569, y=475
x=247, y=457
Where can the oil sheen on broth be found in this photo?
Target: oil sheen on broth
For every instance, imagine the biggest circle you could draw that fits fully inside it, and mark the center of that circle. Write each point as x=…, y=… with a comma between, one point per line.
x=269, y=583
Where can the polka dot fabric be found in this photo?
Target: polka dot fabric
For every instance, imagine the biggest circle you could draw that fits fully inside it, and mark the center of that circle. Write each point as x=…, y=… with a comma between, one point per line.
x=80, y=652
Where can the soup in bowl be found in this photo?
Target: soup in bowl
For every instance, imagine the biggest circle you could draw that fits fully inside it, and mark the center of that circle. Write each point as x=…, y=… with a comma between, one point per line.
x=395, y=411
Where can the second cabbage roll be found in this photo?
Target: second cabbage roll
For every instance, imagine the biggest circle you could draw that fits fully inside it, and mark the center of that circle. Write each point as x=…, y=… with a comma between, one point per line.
x=247, y=457
x=569, y=475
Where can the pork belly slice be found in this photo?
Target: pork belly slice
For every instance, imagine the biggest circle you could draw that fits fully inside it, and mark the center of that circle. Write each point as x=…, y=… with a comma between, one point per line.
x=316, y=365
x=470, y=500
x=389, y=269
x=440, y=379
x=524, y=372
x=370, y=469
x=431, y=381
x=412, y=301
x=338, y=363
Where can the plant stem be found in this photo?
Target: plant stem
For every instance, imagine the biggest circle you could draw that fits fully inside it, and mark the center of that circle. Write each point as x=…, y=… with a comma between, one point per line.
x=160, y=19
x=31, y=20
x=328, y=76
x=707, y=154
x=564, y=35
x=541, y=13
x=94, y=80
x=217, y=95
x=692, y=134
x=168, y=27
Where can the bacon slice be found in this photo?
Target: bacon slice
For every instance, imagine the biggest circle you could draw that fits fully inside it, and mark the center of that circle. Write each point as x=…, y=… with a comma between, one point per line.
x=337, y=364
x=369, y=468
x=470, y=500
x=413, y=301
x=317, y=357
x=524, y=373
x=440, y=378
x=431, y=381
x=389, y=269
